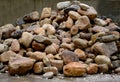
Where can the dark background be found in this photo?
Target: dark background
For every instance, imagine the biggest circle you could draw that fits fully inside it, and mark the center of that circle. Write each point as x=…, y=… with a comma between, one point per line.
x=10, y=10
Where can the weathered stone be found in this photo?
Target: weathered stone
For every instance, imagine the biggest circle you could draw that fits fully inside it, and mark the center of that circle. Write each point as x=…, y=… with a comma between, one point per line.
x=45, y=21
x=51, y=69
x=90, y=12
x=66, y=40
x=50, y=56
x=80, y=43
x=1, y=65
x=97, y=28
x=42, y=39
x=20, y=65
x=67, y=46
x=46, y=61
x=49, y=28
x=6, y=30
x=74, y=69
x=38, y=56
x=92, y=56
x=92, y=68
x=81, y=54
x=3, y=48
x=74, y=15
x=103, y=68
x=38, y=46
x=26, y=39
x=31, y=17
x=40, y=31
x=100, y=22
x=5, y=56
x=46, y=12
x=74, y=30
x=17, y=34
x=69, y=56
x=104, y=49
x=15, y=46
x=84, y=6
x=102, y=59
x=48, y=75
x=64, y=4
x=57, y=63
x=8, y=42
x=113, y=27
x=69, y=23
x=108, y=38
x=53, y=49
x=38, y=67
x=83, y=23
x=86, y=36
x=22, y=52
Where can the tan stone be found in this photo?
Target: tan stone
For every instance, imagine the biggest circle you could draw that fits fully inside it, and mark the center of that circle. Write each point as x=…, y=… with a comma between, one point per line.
x=92, y=68
x=40, y=31
x=15, y=46
x=20, y=65
x=74, y=30
x=83, y=23
x=74, y=69
x=51, y=69
x=81, y=54
x=74, y=15
x=69, y=23
x=46, y=12
x=38, y=67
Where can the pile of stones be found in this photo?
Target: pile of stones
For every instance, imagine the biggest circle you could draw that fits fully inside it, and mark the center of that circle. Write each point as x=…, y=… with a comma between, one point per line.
x=72, y=41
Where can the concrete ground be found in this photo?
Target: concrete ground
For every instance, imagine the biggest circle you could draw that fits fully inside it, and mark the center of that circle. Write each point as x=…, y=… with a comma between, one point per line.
x=60, y=78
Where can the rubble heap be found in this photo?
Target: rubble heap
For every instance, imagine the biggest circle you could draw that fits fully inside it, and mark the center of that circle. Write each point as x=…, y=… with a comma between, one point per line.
x=72, y=41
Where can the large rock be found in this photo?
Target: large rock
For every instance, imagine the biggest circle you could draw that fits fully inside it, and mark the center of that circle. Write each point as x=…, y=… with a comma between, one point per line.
x=15, y=46
x=3, y=48
x=5, y=56
x=90, y=12
x=31, y=17
x=26, y=39
x=64, y=4
x=69, y=56
x=102, y=59
x=20, y=65
x=74, y=69
x=46, y=12
x=6, y=30
x=83, y=23
x=104, y=48
x=38, y=67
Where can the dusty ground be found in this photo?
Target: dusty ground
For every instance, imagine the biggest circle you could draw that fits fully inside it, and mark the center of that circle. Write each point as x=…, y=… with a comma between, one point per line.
x=60, y=78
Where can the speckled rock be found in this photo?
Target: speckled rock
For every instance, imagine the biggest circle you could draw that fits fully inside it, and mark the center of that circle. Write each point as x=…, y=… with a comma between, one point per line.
x=3, y=48
x=74, y=69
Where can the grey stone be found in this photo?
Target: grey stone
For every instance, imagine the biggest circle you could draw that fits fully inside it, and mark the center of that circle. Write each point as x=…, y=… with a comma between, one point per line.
x=48, y=75
x=3, y=48
x=64, y=4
